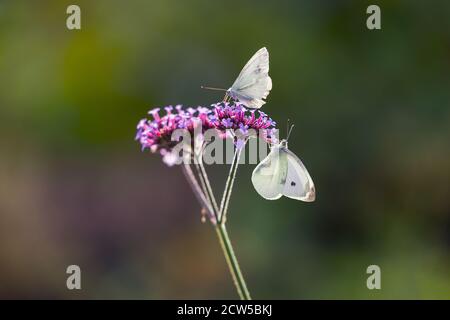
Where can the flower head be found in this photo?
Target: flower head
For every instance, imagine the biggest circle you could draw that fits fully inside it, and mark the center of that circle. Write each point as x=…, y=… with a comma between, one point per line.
x=156, y=133
x=236, y=116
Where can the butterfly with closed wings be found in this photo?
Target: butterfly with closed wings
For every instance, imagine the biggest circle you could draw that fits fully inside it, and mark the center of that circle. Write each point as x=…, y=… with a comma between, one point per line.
x=253, y=84
x=282, y=173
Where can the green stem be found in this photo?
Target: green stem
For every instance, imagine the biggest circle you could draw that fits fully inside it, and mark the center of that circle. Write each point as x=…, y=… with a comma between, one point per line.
x=205, y=190
x=229, y=186
x=232, y=262
x=199, y=193
x=222, y=233
x=221, y=230
x=208, y=186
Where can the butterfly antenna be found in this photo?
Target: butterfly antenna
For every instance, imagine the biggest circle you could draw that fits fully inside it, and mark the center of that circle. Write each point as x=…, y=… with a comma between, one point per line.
x=212, y=88
x=287, y=128
x=289, y=132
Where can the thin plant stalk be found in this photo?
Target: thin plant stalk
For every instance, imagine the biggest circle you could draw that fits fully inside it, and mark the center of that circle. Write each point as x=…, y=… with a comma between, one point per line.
x=229, y=186
x=208, y=185
x=206, y=197
x=201, y=197
x=206, y=193
x=232, y=262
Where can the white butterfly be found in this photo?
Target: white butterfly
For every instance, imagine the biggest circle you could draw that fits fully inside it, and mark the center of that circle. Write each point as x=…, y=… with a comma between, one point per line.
x=282, y=173
x=253, y=84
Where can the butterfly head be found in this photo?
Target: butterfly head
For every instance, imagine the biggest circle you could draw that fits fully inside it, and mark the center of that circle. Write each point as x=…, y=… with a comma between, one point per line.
x=283, y=143
x=230, y=93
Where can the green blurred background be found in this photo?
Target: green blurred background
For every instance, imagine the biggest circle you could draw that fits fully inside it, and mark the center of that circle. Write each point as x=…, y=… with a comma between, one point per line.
x=372, y=117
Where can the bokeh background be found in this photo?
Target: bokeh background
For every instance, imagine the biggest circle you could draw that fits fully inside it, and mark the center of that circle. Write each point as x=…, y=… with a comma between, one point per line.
x=372, y=117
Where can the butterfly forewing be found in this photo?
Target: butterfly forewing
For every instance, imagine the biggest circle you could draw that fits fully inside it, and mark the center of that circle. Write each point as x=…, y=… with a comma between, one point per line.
x=269, y=176
x=253, y=84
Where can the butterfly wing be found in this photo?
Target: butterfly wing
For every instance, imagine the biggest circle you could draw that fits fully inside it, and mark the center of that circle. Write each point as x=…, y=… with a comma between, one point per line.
x=253, y=84
x=269, y=176
x=298, y=184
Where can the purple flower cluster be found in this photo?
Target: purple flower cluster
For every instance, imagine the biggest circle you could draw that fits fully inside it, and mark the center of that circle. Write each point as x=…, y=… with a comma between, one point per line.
x=156, y=133
x=235, y=116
